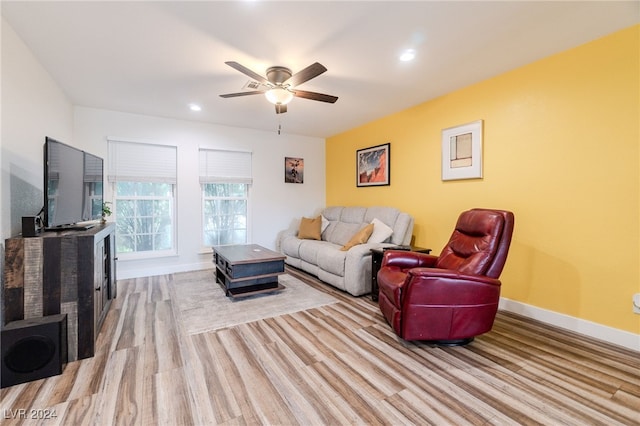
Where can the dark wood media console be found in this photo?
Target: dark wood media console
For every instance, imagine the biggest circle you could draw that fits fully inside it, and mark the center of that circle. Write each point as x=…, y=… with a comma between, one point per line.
x=67, y=272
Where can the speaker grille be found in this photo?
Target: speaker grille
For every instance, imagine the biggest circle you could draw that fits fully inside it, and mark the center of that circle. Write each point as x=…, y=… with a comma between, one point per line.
x=33, y=349
x=30, y=354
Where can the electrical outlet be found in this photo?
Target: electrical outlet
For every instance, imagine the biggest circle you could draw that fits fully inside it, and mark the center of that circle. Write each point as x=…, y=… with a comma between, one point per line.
x=636, y=303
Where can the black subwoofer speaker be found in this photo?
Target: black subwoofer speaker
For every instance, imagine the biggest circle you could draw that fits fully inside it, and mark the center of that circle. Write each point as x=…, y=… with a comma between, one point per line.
x=33, y=349
x=29, y=226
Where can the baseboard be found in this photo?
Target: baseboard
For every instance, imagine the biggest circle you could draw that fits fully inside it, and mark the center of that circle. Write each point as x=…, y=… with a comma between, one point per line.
x=125, y=274
x=577, y=325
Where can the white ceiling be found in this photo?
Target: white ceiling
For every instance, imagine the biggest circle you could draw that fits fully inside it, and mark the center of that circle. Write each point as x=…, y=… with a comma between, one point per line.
x=156, y=58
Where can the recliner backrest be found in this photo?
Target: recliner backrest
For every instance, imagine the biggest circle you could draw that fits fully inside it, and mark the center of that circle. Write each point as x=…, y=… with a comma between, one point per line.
x=479, y=243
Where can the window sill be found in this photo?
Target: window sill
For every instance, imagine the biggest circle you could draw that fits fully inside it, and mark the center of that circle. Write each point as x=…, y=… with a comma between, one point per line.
x=146, y=255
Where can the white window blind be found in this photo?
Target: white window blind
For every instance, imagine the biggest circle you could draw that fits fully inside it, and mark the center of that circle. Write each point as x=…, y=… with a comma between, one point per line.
x=221, y=166
x=142, y=162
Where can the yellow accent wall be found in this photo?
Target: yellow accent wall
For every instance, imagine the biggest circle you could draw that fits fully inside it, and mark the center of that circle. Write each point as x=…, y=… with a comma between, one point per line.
x=561, y=150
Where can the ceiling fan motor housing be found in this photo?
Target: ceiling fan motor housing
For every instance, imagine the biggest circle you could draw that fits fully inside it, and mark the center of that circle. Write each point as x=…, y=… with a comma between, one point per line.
x=278, y=75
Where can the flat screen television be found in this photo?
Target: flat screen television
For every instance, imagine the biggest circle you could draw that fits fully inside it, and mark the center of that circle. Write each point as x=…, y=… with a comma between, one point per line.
x=73, y=187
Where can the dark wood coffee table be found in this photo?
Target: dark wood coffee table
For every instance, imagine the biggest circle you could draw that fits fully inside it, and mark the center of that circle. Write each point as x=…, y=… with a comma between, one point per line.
x=247, y=269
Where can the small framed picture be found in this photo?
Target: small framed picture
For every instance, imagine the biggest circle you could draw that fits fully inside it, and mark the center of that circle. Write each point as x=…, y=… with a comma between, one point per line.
x=462, y=151
x=372, y=166
x=293, y=170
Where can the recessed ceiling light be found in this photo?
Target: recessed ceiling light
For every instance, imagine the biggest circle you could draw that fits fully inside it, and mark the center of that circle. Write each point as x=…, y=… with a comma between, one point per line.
x=194, y=107
x=408, y=55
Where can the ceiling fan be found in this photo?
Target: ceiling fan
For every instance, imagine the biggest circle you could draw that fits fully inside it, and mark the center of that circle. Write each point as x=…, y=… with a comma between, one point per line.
x=279, y=86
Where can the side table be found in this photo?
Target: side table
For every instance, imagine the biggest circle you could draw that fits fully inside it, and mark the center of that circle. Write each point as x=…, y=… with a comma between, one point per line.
x=376, y=262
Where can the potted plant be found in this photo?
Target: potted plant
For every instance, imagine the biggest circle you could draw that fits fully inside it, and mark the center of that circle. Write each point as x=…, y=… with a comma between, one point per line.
x=106, y=211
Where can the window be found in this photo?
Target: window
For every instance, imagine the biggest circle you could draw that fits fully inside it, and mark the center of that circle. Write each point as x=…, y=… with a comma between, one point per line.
x=144, y=216
x=225, y=213
x=144, y=179
x=225, y=177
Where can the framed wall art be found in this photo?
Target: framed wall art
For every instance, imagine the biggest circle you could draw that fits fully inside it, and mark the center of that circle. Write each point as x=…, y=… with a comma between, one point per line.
x=462, y=151
x=293, y=170
x=372, y=166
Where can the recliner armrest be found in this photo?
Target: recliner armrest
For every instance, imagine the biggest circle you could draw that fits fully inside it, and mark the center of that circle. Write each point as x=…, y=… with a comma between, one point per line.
x=451, y=274
x=408, y=259
x=432, y=286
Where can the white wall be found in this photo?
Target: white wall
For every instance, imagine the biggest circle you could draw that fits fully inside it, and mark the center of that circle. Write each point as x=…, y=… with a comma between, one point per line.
x=274, y=204
x=33, y=106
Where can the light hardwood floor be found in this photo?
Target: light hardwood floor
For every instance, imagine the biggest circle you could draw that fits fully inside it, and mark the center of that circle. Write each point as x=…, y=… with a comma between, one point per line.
x=334, y=365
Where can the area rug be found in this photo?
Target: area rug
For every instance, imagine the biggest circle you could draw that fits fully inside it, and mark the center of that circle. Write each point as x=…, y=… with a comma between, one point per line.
x=204, y=307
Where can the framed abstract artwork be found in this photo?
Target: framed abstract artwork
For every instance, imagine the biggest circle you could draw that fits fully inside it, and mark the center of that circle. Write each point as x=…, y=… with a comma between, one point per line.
x=293, y=170
x=372, y=166
x=462, y=151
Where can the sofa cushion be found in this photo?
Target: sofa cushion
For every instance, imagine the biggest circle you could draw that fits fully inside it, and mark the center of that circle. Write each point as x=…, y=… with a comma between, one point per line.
x=332, y=214
x=309, y=250
x=360, y=237
x=402, y=229
x=332, y=261
x=341, y=232
x=310, y=229
x=388, y=215
x=381, y=232
x=354, y=215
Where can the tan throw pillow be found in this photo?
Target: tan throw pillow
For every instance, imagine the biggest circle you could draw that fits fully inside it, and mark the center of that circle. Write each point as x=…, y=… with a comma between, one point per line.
x=361, y=237
x=310, y=228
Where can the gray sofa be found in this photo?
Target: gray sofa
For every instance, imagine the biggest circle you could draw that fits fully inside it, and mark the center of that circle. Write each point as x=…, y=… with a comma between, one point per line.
x=347, y=270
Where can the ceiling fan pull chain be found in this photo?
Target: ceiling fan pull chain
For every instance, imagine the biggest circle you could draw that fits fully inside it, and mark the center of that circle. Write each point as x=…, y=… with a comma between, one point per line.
x=279, y=123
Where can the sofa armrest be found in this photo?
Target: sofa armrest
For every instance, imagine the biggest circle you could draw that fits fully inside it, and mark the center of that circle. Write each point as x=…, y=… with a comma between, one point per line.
x=291, y=231
x=357, y=267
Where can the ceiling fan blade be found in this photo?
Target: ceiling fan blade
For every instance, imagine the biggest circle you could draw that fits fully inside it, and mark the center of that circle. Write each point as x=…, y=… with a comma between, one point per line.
x=235, y=95
x=306, y=74
x=280, y=108
x=315, y=96
x=246, y=71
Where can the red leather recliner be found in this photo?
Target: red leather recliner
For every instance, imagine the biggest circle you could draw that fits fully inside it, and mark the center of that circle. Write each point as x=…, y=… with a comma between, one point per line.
x=451, y=298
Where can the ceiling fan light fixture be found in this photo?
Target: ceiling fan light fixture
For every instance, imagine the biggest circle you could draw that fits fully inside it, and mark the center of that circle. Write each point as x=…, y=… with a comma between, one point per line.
x=408, y=55
x=278, y=96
